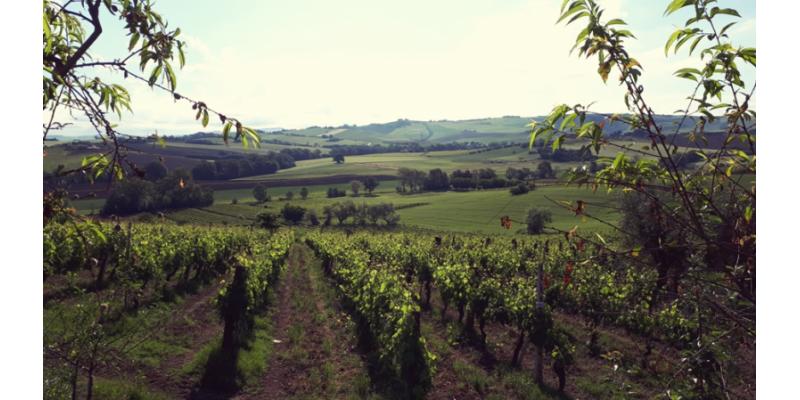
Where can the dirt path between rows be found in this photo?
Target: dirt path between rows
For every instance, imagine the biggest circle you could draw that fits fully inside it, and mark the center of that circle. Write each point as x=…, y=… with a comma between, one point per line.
x=195, y=321
x=314, y=346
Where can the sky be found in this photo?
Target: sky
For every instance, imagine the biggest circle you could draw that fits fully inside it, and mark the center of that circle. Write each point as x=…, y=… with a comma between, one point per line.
x=293, y=64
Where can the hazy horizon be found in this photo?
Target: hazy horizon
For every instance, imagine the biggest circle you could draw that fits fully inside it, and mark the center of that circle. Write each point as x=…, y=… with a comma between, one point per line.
x=311, y=63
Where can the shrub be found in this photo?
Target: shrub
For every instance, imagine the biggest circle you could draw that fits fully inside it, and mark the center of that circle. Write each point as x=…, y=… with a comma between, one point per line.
x=370, y=184
x=174, y=191
x=536, y=220
x=311, y=215
x=206, y=170
x=155, y=171
x=522, y=188
x=437, y=180
x=355, y=187
x=361, y=214
x=334, y=192
x=289, y=195
x=268, y=220
x=328, y=211
x=304, y=193
x=545, y=170
x=129, y=197
x=260, y=193
x=293, y=214
x=384, y=211
x=344, y=211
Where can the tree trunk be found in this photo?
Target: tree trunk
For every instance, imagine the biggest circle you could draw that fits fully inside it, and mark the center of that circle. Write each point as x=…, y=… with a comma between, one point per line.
x=428, y=294
x=101, y=273
x=517, y=360
x=539, y=305
x=74, y=382
x=537, y=371
x=560, y=371
x=482, y=325
x=90, y=383
x=235, y=310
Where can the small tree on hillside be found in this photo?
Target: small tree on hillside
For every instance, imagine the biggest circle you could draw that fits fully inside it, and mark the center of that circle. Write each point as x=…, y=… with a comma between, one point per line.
x=344, y=211
x=437, y=180
x=536, y=220
x=154, y=171
x=389, y=215
x=268, y=220
x=338, y=158
x=370, y=184
x=545, y=170
x=293, y=214
x=521, y=188
x=304, y=193
x=289, y=195
x=328, y=211
x=311, y=216
x=355, y=187
x=260, y=193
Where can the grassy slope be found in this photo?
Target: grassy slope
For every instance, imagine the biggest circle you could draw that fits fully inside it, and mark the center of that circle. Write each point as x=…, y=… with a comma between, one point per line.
x=477, y=211
x=389, y=163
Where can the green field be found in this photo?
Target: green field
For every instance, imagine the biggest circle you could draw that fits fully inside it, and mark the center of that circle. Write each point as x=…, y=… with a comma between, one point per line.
x=477, y=211
x=389, y=163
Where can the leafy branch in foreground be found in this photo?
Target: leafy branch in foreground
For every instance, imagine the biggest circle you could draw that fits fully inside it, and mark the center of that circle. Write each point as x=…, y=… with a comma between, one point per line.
x=70, y=30
x=699, y=222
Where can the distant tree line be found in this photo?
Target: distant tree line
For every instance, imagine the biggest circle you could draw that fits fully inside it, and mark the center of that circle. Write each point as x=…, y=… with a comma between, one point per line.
x=356, y=186
x=565, y=155
x=361, y=149
x=253, y=164
x=362, y=214
x=412, y=180
x=172, y=191
x=344, y=213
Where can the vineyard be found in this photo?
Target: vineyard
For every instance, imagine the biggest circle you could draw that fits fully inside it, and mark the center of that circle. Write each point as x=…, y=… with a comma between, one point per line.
x=166, y=311
x=92, y=324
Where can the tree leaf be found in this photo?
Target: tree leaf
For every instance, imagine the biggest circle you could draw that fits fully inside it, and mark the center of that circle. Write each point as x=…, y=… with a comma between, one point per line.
x=48, y=34
x=577, y=6
x=671, y=40
x=724, y=11
x=134, y=39
x=675, y=5
x=154, y=75
x=173, y=82
x=226, y=131
x=695, y=43
x=557, y=143
x=181, y=55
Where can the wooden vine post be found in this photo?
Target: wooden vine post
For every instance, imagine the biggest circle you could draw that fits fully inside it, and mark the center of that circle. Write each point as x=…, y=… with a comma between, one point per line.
x=538, y=370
